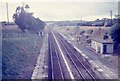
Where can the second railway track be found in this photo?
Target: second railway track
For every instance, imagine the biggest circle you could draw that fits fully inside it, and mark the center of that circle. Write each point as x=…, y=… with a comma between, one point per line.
x=79, y=66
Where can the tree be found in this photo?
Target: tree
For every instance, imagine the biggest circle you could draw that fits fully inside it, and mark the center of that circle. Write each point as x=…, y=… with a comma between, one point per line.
x=27, y=6
x=115, y=34
x=26, y=20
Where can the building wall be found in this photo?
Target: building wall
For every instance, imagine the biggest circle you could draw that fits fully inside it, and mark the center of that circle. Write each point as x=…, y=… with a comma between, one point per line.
x=109, y=48
x=0, y=24
x=93, y=45
x=99, y=47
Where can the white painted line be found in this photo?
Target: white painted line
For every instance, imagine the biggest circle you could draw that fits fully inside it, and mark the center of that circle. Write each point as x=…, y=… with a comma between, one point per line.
x=90, y=61
x=83, y=55
x=69, y=41
x=71, y=75
x=78, y=49
x=44, y=76
x=95, y=64
x=100, y=70
x=104, y=66
x=86, y=57
x=108, y=76
x=63, y=35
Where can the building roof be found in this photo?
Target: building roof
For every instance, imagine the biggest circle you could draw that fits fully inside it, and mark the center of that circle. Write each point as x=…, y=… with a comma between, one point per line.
x=107, y=41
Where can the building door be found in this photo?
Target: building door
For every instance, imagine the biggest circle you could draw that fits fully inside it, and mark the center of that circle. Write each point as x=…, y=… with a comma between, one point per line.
x=104, y=49
x=98, y=49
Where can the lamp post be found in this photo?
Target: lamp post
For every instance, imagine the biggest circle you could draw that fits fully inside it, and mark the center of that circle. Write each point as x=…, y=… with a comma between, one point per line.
x=7, y=12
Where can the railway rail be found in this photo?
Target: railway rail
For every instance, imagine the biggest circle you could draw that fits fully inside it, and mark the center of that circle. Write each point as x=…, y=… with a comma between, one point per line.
x=57, y=71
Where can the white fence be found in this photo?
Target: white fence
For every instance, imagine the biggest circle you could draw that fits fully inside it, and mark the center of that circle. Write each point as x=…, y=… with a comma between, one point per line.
x=11, y=35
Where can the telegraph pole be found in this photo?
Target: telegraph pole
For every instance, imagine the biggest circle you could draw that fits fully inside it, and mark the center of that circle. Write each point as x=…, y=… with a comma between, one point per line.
x=111, y=16
x=23, y=4
x=7, y=12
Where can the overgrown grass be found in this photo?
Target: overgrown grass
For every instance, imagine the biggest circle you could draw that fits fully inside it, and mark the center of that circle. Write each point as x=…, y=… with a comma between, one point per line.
x=19, y=56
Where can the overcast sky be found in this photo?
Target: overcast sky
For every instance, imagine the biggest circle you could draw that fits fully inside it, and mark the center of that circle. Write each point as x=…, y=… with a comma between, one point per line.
x=69, y=10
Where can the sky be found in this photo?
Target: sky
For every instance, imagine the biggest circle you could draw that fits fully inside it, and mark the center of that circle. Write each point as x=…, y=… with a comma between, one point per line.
x=54, y=10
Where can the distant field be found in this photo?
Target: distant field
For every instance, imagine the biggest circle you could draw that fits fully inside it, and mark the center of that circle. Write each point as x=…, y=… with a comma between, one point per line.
x=19, y=54
x=94, y=27
x=97, y=31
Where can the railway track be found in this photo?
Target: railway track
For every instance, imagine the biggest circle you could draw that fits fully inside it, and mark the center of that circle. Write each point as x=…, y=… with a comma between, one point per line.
x=55, y=64
x=82, y=66
x=83, y=60
x=57, y=70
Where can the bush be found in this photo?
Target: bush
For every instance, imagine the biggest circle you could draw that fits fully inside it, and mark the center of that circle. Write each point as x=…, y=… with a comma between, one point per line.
x=105, y=36
x=115, y=33
x=90, y=31
x=82, y=32
x=88, y=41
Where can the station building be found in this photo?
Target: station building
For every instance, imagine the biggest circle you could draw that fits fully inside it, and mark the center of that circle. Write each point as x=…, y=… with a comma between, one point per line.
x=102, y=46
